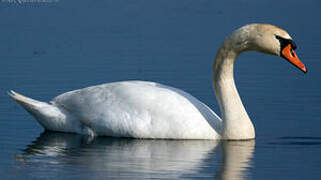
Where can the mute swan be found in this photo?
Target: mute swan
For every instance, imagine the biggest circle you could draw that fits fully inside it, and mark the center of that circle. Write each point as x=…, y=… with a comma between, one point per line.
x=142, y=109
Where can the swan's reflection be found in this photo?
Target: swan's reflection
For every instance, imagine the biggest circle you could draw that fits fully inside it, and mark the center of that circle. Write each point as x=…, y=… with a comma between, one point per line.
x=133, y=157
x=237, y=157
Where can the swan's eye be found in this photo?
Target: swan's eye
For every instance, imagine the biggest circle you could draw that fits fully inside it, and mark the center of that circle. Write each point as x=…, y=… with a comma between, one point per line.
x=293, y=45
x=285, y=42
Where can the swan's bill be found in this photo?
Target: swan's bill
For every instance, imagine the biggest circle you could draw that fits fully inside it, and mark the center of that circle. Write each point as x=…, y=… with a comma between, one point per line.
x=289, y=54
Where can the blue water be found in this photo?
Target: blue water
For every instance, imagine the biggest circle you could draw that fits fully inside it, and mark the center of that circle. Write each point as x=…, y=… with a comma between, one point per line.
x=50, y=48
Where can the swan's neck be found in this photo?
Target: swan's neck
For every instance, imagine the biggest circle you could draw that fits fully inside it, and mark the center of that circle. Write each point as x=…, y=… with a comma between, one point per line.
x=236, y=122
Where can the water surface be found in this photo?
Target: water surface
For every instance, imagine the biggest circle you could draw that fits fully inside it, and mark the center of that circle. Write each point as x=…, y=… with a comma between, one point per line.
x=50, y=48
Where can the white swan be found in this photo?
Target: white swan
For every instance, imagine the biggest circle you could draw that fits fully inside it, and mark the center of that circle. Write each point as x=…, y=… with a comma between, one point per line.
x=149, y=110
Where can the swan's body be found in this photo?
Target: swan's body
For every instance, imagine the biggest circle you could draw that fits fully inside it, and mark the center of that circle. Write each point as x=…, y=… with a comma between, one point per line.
x=120, y=109
x=149, y=110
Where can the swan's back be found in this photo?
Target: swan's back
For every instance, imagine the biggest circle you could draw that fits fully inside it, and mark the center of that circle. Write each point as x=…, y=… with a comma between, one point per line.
x=142, y=110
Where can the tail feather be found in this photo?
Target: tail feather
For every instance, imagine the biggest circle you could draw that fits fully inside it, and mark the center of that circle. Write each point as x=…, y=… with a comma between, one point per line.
x=50, y=116
x=26, y=102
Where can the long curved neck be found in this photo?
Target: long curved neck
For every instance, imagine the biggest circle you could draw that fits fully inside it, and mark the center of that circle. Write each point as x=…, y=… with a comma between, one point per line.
x=236, y=122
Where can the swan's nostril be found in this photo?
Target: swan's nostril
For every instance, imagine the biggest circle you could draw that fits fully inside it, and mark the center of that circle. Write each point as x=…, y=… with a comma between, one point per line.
x=292, y=52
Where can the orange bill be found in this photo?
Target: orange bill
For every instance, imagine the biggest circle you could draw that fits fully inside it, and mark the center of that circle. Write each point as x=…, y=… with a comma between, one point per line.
x=289, y=54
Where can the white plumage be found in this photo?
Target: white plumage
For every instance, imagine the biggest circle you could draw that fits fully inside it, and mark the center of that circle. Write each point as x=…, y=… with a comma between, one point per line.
x=149, y=110
x=130, y=109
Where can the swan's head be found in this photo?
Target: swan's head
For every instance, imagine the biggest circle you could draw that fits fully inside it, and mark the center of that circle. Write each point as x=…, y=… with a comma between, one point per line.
x=271, y=40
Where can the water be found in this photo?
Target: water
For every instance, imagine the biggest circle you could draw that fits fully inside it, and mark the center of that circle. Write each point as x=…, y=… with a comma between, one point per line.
x=50, y=48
